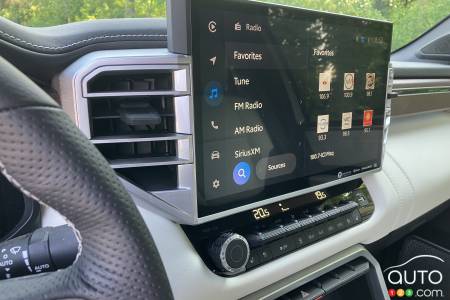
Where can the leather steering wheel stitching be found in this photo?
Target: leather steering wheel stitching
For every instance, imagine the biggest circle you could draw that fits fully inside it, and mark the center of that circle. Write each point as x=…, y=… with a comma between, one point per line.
x=44, y=154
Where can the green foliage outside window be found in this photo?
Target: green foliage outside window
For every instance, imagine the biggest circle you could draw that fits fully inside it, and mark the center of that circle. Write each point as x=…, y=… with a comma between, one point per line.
x=410, y=17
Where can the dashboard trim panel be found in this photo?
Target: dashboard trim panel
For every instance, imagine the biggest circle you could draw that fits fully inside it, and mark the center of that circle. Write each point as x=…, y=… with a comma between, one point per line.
x=296, y=280
x=410, y=99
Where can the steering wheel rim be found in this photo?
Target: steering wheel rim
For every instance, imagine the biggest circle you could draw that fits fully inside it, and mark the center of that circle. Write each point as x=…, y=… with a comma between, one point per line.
x=45, y=155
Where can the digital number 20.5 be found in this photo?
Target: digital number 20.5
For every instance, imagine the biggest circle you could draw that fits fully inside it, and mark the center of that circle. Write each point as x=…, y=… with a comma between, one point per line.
x=261, y=213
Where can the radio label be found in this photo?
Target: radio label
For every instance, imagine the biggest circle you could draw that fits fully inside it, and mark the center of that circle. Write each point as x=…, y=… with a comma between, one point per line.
x=247, y=152
x=238, y=106
x=248, y=129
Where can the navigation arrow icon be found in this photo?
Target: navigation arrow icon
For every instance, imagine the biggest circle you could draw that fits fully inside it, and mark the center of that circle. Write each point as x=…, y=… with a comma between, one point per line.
x=213, y=60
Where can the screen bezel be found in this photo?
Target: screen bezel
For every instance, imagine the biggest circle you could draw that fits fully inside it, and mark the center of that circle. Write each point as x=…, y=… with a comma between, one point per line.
x=205, y=214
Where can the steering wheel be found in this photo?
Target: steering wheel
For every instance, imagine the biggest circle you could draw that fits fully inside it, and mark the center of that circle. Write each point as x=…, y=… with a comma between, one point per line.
x=44, y=154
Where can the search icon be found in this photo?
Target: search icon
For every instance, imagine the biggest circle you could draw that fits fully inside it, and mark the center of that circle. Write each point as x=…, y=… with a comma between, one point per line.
x=241, y=173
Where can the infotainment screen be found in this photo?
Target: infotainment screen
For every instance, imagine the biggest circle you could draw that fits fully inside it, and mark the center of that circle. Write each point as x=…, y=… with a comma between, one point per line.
x=285, y=100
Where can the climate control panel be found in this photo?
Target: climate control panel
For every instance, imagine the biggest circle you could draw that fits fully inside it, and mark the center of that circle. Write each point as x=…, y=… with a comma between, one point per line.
x=239, y=243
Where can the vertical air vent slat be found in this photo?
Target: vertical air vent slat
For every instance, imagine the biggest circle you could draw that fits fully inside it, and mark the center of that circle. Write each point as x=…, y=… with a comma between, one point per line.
x=140, y=138
x=147, y=162
x=126, y=94
x=148, y=80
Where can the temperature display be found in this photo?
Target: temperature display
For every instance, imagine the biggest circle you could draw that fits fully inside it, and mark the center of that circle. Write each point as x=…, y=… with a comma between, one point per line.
x=261, y=213
x=270, y=211
x=289, y=206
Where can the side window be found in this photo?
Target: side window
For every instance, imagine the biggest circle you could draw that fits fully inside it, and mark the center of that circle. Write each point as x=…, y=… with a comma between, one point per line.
x=38, y=13
x=411, y=17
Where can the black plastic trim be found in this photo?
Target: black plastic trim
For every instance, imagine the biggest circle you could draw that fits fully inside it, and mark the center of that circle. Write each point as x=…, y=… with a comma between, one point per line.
x=44, y=52
x=179, y=26
x=438, y=49
x=29, y=221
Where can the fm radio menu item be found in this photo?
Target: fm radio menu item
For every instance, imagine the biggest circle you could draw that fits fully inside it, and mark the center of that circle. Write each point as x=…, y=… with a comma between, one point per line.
x=285, y=99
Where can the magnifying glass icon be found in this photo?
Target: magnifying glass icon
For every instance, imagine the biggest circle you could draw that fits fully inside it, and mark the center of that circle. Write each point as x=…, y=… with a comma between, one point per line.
x=242, y=173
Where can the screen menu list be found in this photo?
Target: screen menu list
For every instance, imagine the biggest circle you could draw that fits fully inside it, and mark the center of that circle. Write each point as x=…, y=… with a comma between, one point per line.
x=284, y=100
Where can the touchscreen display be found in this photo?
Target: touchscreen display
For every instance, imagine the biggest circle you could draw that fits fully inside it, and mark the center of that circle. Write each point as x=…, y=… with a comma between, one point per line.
x=285, y=99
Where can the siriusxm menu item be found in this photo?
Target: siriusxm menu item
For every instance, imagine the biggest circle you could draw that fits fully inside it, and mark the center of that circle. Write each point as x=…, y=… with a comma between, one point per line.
x=285, y=99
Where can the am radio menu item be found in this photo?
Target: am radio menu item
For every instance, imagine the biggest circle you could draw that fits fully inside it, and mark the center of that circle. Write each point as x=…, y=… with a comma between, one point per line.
x=286, y=100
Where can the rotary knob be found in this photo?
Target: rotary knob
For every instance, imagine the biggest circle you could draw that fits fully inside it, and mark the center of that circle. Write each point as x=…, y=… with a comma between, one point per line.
x=230, y=252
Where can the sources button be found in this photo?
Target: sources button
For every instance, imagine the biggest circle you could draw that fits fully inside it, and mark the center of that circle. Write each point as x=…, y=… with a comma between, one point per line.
x=275, y=166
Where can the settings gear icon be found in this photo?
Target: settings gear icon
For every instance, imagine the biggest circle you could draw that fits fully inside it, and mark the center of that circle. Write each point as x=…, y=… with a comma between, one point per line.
x=216, y=184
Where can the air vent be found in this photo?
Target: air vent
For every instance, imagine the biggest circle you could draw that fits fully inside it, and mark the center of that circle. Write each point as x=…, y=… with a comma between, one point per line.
x=132, y=121
x=138, y=116
x=131, y=81
x=136, y=108
x=115, y=116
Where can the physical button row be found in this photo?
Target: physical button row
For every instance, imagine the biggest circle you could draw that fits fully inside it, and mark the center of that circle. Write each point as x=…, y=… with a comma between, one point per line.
x=263, y=237
x=301, y=239
x=327, y=284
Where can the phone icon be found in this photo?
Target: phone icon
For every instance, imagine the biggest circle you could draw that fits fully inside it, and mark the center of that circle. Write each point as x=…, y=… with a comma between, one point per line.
x=214, y=125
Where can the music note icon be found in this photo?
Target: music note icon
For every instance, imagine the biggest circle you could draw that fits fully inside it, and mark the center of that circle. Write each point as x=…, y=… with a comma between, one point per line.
x=214, y=94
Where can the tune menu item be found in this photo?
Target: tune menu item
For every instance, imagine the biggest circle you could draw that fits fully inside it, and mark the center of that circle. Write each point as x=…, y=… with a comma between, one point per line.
x=286, y=100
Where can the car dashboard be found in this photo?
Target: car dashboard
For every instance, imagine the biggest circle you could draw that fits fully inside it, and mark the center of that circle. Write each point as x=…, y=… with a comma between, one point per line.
x=258, y=170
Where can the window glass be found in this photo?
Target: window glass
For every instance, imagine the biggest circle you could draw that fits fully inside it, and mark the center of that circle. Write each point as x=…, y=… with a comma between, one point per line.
x=38, y=13
x=411, y=17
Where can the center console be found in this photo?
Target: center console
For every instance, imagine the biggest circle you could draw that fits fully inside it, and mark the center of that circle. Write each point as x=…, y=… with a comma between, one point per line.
x=241, y=242
x=290, y=109
x=249, y=135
